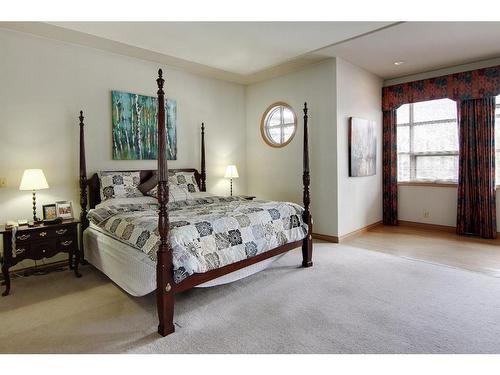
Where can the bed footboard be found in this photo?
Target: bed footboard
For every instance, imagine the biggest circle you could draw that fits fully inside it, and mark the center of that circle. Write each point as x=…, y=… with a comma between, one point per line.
x=166, y=287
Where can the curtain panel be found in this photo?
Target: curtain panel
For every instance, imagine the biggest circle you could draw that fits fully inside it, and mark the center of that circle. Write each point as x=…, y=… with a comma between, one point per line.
x=476, y=209
x=390, y=168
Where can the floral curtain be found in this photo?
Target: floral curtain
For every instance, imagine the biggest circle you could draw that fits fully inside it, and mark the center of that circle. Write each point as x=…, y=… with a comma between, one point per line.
x=390, y=169
x=474, y=84
x=464, y=86
x=476, y=211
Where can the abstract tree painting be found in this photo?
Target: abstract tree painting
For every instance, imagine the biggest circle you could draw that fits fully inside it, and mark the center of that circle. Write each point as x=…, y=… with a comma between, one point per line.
x=135, y=132
x=362, y=148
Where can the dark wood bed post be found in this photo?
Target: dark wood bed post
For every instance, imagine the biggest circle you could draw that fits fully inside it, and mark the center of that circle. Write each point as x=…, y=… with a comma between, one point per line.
x=306, y=180
x=165, y=286
x=84, y=222
x=203, y=174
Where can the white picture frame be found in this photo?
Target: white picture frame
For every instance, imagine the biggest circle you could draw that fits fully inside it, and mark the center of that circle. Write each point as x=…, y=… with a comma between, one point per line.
x=64, y=209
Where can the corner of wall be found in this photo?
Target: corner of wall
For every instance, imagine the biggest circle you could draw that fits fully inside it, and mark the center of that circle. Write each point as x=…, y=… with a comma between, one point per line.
x=358, y=94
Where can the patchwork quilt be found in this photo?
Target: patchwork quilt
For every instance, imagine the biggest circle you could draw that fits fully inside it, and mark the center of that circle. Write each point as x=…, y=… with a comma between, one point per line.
x=205, y=233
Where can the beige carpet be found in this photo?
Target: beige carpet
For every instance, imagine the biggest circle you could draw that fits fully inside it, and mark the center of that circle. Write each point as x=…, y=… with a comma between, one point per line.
x=351, y=301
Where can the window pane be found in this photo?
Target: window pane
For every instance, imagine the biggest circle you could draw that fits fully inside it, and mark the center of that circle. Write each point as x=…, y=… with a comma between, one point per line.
x=435, y=137
x=403, y=114
x=403, y=138
x=403, y=167
x=433, y=110
x=274, y=134
x=287, y=132
x=287, y=116
x=275, y=117
x=437, y=168
x=497, y=132
x=497, y=125
x=497, y=163
x=497, y=140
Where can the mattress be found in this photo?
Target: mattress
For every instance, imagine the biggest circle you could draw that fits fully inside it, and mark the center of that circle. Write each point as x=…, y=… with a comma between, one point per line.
x=133, y=271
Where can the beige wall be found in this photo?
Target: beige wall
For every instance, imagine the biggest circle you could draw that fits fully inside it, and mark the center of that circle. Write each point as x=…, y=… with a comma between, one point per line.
x=276, y=173
x=44, y=84
x=359, y=94
x=439, y=202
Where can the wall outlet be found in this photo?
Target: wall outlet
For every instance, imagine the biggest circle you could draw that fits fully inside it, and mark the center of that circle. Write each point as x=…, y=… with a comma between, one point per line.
x=426, y=214
x=3, y=182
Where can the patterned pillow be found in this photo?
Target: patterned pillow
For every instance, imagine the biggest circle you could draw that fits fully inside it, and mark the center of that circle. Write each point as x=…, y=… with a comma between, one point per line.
x=185, y=180
x=175, y=193
x=119, y=184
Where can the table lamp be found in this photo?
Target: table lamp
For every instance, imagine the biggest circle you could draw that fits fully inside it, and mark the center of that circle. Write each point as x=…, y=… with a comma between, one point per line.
x=231, y=172
x=33, y=179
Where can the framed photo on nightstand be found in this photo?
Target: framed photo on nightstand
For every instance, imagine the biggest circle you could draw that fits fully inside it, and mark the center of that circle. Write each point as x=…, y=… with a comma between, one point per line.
x=49, y=211
x=64, y=209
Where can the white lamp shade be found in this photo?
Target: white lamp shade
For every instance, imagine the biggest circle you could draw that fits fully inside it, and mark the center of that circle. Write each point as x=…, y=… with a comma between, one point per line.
x=231, y=172
x=33, y=179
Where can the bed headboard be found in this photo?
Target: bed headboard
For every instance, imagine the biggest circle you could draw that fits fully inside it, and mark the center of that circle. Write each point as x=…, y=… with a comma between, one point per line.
x=94, y=184
x=89, y=188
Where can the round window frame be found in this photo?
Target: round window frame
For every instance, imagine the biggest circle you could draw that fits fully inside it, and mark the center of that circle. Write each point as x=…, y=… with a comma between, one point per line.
x=263, y=131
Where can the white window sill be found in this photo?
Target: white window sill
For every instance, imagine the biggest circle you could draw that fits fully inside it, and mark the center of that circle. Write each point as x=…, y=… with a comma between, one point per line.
x=428, y=183
x=433, y=184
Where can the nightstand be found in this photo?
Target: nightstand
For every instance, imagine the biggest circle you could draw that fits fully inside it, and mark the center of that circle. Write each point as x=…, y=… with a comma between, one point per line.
x=247, y=197
x=42, y=241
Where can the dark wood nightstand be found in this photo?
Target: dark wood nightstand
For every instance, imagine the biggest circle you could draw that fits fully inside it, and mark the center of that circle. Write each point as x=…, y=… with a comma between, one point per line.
x=247, y=197
x=42, y=241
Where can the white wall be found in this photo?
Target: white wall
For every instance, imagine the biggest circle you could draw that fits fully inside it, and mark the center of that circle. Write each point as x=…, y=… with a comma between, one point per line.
x=439, y=202
x=276, y=173
x=359, y=94
x=44, y=84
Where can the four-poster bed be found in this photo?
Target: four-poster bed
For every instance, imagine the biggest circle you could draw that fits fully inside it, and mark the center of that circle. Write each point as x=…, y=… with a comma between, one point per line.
x=168, y=282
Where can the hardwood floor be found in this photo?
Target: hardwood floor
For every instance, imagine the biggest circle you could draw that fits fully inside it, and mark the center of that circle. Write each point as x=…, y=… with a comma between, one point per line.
x=435, y=246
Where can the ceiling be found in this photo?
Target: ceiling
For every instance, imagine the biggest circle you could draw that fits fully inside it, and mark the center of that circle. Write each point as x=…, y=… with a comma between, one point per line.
x=423, y=46
x=237, y=47
x=248, y=52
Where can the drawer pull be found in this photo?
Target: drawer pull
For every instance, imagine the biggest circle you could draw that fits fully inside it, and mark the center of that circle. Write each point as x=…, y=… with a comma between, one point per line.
x=23, y=237
x=61, y=231
x=66, y=243
x=43, y=234
x=19, y=251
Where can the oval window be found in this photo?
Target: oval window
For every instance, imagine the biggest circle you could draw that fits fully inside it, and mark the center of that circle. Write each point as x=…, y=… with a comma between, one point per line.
x=278, y=124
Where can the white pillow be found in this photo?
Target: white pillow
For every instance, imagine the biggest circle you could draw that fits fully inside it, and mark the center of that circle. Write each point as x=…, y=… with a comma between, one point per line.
x=175, y=193
x=114, y=184
x=185, y=180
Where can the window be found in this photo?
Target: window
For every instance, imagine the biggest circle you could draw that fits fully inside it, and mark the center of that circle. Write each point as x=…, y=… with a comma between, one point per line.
x=278, y=124
x=497, y=140
x=428, y=141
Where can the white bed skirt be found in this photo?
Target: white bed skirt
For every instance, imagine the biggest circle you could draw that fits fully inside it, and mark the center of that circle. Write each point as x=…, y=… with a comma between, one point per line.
x=133, y=271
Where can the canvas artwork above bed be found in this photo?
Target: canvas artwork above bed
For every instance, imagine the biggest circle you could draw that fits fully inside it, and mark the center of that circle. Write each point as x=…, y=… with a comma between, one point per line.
x=135, y=132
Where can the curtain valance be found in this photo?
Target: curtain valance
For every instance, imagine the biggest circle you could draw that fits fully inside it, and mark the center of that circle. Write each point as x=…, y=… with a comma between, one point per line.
x=474, y=84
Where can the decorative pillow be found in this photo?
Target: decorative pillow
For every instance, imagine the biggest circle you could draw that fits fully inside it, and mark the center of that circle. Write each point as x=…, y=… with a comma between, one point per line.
x=175, y=193
x=148, y=185
x=185, y=180
x=119, y=184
